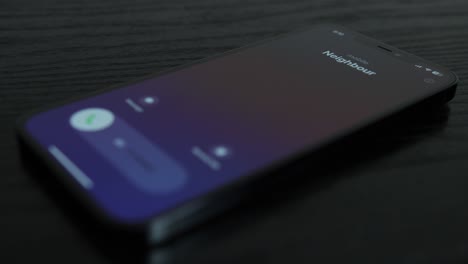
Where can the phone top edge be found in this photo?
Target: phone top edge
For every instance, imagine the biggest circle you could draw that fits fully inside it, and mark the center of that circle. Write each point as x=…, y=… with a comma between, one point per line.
x=37, y=110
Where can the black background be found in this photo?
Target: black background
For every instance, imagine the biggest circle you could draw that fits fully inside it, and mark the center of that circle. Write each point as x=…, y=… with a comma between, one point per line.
x=400, y=199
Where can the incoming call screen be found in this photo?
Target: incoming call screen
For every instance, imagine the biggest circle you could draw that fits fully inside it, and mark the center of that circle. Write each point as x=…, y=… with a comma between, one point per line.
x=149, y=146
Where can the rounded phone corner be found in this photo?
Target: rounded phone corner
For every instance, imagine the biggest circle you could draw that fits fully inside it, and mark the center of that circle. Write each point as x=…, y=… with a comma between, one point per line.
x=47, y=172
x=455, y=79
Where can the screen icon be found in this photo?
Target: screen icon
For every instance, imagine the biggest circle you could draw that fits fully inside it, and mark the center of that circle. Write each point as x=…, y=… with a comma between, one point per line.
x=436, y=73
x=221, y=151
x=92, y=119
x=149, y=100
x=337, y=32
x=119, y=142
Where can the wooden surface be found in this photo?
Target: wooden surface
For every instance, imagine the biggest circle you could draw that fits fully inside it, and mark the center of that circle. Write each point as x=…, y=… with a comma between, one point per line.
x=409, y=205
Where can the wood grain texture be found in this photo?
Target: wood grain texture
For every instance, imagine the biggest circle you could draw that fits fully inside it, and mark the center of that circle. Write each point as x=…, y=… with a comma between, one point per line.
x=407, y=206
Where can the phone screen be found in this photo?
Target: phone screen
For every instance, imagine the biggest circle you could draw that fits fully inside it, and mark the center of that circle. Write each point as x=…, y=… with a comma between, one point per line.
x=144, y=148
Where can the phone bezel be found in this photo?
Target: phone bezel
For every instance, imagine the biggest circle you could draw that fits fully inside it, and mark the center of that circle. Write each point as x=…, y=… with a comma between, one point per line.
x=213, y=195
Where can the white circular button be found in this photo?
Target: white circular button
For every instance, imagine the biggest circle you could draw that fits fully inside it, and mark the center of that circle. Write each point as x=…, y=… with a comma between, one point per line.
x=149, y=100
x=221, y=151
x=92, y=119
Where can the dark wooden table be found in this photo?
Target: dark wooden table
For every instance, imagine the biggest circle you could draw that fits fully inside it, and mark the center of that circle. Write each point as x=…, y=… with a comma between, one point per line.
x=409, y=205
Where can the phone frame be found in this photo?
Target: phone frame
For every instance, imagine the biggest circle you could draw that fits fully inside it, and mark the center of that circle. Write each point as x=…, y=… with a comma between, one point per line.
x=161, y=227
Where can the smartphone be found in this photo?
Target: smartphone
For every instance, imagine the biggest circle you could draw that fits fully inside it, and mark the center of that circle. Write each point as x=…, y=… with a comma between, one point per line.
x=163, y=153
